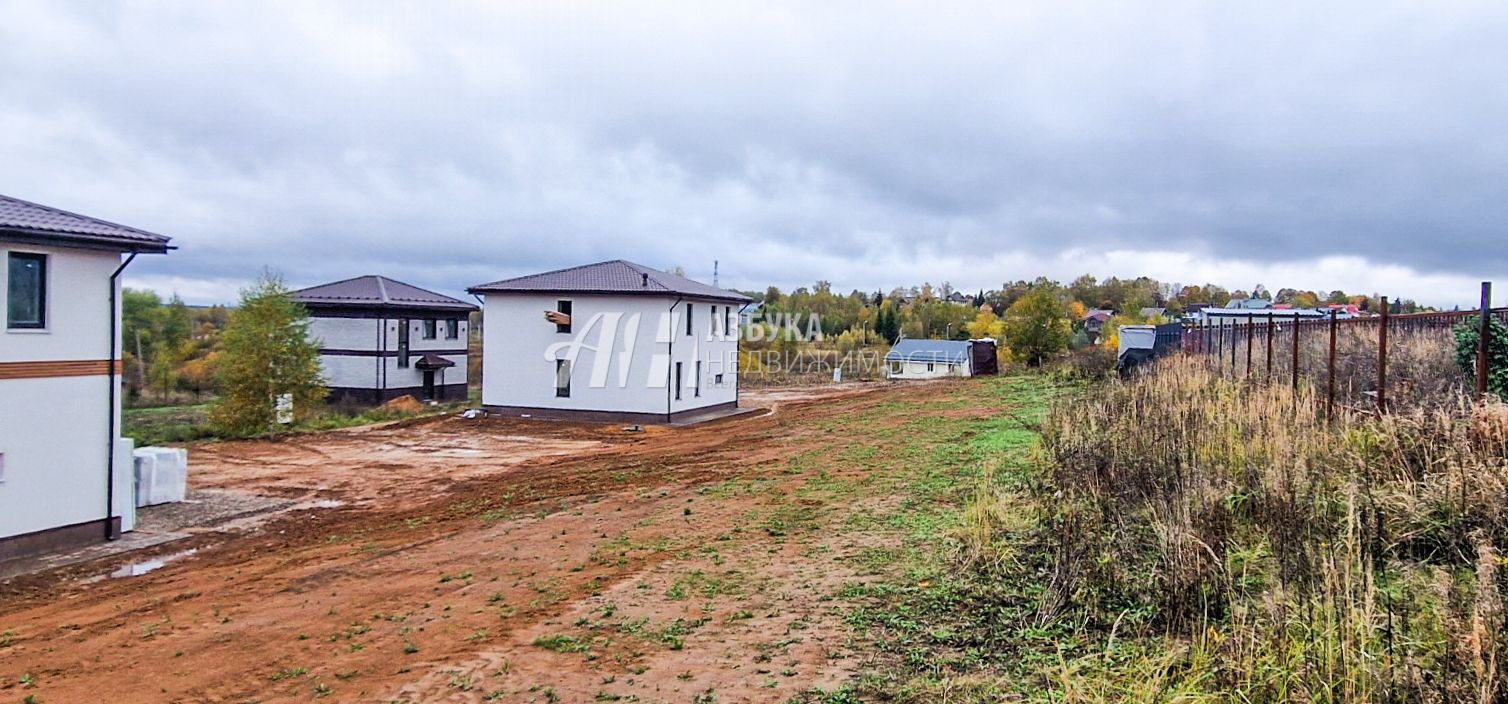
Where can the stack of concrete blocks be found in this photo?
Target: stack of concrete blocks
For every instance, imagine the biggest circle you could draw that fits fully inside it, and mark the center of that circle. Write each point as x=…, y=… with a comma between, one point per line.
x=161, y=475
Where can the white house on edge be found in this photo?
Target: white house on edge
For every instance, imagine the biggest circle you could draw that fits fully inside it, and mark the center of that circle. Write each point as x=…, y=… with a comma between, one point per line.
x=381, y=339
x=613, y=341
x=65, y=473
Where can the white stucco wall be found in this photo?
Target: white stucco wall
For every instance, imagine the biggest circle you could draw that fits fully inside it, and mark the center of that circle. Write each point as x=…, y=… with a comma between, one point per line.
x=632, y=363
x=53, y=431
x=918, y=370
x=374, y=335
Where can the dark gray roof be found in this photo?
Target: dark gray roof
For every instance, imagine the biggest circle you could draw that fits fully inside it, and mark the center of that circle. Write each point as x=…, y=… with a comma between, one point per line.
x=25, y=220
x=376, y=292
x=950, y=351
x=613, y=277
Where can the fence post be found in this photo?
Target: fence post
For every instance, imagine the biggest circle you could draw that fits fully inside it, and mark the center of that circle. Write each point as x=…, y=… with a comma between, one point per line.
x=1233, y=348
x=1269, y=348
x=1382, y=359
x=1330, y=385
x=1295, y=353
x=1482, y=331
x=1249, y=326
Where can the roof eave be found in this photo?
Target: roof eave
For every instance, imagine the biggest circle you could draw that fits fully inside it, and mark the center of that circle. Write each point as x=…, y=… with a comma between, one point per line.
x=84, y=241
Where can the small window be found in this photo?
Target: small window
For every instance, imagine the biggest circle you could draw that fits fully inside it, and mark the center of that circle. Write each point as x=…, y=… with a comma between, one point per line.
x=452, y=329
x=562, y=378
x=564, y=308
x=429, y=328
x=678, y=383
x=718, y=379
x=712, y=320
x=696, y=381
x=688, y=318
x=929, y=366
x=403, y=343
x=26, y=291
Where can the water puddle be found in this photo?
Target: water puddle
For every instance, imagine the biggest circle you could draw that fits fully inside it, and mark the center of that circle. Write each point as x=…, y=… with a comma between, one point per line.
x=136, y=569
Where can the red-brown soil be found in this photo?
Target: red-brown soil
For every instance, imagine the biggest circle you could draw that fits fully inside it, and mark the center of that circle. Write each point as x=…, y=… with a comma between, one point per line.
x=474, y=560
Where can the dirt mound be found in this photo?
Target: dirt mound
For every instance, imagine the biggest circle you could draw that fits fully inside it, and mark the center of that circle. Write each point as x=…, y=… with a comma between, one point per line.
x=404, y=404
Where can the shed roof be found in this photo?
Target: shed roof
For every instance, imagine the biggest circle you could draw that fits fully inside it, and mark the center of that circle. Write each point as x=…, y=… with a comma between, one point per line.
x=373, y=291
x=612, y=277
x=949, y=351
x=31, y=221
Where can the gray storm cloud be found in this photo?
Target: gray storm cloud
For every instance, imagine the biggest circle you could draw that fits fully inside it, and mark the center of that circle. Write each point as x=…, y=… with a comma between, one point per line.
x=450, y=144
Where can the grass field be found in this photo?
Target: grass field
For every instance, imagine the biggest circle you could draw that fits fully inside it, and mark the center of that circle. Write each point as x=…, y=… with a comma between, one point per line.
x=1017, y=538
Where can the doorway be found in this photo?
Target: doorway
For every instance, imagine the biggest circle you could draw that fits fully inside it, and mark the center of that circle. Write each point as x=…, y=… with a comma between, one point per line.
x=429, y=385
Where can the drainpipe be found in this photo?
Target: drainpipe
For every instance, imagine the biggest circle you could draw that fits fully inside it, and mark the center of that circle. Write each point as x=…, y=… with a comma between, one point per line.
x=670, y=356
x=738, y=334
x=110, y=533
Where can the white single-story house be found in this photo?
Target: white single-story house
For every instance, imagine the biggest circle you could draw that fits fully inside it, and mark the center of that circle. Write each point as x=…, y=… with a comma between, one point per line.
x=929, y=359
x=66, y=475
x=381, y=339
x=612, y=341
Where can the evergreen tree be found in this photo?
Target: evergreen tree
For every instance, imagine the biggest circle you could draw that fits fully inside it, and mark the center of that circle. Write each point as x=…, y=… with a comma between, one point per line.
x=266, y=353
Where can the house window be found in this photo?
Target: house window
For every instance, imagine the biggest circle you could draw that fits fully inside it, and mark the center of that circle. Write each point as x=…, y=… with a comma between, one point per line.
x=712, y=321
x=929, y=366
x=452, y=329
x=403, y=343
x=562, y=378
x=718, y=379
x=564, y=308
x=696, y=381
x=430, y=326
x=677, y=381
x=688, y=318
x=26, y=291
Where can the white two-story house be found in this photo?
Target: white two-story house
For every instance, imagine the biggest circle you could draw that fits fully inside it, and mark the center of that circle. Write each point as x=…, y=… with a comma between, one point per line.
x=613, y=341
x=381, y=339
x=65, y=473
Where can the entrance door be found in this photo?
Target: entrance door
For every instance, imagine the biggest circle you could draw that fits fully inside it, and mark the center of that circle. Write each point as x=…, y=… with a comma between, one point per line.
x=429, y=384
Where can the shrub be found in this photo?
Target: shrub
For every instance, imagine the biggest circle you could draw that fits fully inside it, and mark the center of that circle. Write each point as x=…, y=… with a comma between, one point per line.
x=1467, y=338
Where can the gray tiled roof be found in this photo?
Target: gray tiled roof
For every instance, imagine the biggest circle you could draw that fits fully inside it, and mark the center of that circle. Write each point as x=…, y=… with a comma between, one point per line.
x=950, y=351
x=616, y=277
x=376, y=292
x=27, y=220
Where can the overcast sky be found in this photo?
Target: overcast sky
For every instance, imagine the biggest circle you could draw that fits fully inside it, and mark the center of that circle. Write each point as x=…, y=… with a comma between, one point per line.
x=1360, y=145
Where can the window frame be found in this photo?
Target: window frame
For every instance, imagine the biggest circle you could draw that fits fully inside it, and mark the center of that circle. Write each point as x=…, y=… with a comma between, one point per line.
x=563, y=307
x=563, y=391
x=429, y=329
x=42, y=314
x=452, y=329
x=403, y=343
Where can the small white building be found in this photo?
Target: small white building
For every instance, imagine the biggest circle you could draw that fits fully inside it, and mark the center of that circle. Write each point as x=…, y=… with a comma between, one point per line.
x=381, y=339
x=65, y=473
x=613, y=341
x=929, y=359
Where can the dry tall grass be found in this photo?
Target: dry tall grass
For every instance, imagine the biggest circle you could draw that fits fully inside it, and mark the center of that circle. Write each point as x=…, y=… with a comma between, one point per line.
x=1284, y=557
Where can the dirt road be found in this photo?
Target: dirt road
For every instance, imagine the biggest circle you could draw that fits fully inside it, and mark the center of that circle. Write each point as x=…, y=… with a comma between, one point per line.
x=487, y=560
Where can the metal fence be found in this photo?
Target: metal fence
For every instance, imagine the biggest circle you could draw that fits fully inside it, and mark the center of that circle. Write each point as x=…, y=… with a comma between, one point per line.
x=1364, y=363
